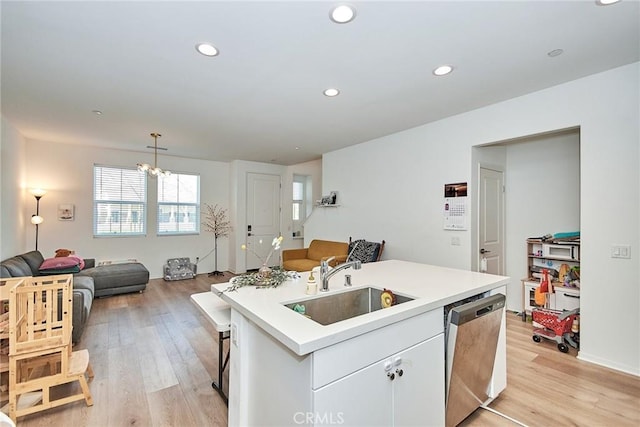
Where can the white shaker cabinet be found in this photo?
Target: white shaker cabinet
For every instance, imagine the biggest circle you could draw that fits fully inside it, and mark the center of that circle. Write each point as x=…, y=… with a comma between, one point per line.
x=403, y=389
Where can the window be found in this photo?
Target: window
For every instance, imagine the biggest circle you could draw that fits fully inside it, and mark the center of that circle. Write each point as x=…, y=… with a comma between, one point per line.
x=298, y=200
x=119, y=201
x=301, y=184
x=179, y=204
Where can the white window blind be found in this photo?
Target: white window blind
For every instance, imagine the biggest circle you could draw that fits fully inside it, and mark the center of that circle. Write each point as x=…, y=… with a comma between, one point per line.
x=298, y=200
x=119, y=201
x=179, y=204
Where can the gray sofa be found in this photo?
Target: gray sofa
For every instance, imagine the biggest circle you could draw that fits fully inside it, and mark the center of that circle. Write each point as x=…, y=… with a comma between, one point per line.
x=91, y=282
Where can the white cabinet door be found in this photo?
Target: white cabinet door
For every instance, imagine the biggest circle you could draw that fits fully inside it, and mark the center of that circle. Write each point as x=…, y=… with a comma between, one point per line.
x=413, y=395
x=418, y=395
x=567, y=299
x=363, y=398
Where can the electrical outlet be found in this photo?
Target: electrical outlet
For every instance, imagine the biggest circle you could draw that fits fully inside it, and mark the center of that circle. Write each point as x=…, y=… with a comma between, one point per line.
x=621, y=251
x=455, y=241
x=234, y=334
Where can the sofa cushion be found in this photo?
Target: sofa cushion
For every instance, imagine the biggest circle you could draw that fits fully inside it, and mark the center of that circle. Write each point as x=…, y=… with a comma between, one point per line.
x=117, y=278
x=59, y=263
x=302, y=264
x=83, y=282
x=82, y=300
x=319, y=249
x=17, y=267
x=34, y=259
x=364, y=251
x=62, y=270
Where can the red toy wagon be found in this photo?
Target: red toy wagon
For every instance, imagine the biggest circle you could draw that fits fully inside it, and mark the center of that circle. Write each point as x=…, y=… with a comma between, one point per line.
x=554, y=325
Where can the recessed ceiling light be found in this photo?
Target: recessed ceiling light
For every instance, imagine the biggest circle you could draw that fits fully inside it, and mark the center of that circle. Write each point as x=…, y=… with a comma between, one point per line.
x=606, y=2
x=207, y=49
x=443, y=70
x=331, y=92
x=342, y=14
x=555, y=52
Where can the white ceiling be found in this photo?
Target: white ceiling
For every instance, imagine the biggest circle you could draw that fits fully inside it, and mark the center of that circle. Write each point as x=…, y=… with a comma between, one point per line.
x=261, y=98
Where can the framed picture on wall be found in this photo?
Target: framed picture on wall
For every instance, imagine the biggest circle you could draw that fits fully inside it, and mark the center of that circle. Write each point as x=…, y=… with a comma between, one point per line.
x=65, y=212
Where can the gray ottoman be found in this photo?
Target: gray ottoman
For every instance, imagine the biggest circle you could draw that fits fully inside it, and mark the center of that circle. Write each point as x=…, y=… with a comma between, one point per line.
x=115, y=279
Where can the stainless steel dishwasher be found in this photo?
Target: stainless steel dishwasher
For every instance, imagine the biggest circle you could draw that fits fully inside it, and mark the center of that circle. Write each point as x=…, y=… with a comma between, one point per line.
x=472, y=341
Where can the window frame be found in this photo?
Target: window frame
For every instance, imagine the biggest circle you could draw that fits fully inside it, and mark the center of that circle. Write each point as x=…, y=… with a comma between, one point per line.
x=161, y=204
x=122, y=201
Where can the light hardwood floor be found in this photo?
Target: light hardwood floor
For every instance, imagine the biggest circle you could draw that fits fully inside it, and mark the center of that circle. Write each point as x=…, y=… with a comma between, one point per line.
x=154, y=356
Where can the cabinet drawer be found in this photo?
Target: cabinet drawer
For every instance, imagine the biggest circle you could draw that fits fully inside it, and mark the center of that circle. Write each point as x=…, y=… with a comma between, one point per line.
x=339, y=360
x=567, y=299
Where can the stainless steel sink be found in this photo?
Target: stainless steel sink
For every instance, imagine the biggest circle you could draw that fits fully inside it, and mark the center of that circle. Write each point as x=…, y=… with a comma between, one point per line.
x=336, y=307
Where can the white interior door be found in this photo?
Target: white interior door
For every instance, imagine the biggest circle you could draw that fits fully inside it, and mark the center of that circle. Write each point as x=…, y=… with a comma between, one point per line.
x=263, y=218
x=491, y=218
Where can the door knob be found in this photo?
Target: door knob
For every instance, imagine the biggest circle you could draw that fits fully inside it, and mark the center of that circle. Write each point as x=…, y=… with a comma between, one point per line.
x=484, y=251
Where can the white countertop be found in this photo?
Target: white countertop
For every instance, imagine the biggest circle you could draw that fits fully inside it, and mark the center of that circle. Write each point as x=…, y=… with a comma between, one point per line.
x=431, y=286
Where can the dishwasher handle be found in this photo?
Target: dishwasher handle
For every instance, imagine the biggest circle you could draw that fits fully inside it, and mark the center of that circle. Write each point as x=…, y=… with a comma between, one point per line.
x=484, y=310
x=475, y=309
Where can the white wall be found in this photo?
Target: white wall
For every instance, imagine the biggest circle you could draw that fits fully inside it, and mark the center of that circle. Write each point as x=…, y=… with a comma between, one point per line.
x=400, y=200
x=13, y=195
x=66, y=172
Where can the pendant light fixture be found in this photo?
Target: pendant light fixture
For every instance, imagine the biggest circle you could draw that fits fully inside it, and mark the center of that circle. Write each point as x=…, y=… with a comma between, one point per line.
x=155, y=170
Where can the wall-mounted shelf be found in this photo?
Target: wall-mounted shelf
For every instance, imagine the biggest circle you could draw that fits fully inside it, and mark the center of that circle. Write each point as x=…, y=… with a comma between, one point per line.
x=327, y=206
x=328, y=201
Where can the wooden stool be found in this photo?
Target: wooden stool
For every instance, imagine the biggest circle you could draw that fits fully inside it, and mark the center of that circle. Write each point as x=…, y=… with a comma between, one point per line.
x=218, y=313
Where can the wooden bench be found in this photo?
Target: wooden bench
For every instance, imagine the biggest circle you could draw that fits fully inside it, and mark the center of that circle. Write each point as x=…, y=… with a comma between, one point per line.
x=218, y=313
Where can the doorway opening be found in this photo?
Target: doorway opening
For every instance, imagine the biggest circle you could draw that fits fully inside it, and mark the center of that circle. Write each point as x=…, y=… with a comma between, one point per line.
x=541, y=192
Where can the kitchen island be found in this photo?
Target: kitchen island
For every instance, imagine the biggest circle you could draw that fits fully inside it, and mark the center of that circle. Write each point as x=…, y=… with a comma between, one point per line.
x=385, y=367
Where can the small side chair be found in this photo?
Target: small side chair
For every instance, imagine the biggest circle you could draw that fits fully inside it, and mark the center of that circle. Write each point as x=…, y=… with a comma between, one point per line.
x=179, y=269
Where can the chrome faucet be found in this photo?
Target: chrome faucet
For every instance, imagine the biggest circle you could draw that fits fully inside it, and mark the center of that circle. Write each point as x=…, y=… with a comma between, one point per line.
x=325, y=274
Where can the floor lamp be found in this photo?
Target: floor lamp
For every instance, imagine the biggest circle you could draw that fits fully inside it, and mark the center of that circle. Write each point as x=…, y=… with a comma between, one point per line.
x=37, y=219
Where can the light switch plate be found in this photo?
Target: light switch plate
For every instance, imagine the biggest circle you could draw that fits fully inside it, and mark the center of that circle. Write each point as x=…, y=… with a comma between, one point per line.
x=621, y=251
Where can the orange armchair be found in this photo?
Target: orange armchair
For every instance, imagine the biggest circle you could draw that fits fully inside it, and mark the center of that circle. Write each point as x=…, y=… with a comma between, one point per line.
x=307, y=258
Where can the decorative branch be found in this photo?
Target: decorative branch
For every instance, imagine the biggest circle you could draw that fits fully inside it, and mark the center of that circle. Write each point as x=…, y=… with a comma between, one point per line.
x=216, y=221
x=275, y=245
